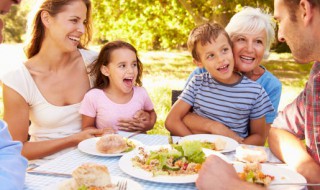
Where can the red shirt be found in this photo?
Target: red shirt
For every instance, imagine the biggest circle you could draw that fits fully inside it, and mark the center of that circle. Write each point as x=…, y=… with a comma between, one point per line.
x=302, y=116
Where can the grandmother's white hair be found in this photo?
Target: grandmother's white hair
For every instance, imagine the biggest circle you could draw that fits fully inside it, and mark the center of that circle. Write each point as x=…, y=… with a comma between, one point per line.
x=250, y=21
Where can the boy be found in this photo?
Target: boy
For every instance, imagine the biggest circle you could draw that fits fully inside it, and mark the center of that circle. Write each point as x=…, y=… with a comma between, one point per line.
x=232, y=100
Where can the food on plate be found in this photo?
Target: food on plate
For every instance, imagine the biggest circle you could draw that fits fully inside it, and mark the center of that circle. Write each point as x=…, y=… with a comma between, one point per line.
x=114, y=144
x=218, y=144
x=251, y=154
x=89, y=176
x=177, y=159
x=252, y=173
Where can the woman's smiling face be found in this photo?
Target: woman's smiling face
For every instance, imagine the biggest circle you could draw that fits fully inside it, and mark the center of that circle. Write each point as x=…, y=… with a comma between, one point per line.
x=248, y=50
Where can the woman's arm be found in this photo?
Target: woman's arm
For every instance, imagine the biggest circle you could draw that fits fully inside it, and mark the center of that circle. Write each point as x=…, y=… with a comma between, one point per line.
x=16, y=114
x=198, y=124
x=257, y=135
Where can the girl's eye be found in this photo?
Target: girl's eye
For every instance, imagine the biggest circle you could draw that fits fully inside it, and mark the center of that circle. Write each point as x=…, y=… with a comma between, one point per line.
x=85, y=22
x=135, y=65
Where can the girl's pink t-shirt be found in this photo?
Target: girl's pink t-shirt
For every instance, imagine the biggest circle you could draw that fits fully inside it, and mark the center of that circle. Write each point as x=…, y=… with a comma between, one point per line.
x=107, y=113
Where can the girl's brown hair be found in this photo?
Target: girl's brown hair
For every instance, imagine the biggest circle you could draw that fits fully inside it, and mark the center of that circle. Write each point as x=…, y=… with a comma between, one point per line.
x=104, y=57
x=53, y=7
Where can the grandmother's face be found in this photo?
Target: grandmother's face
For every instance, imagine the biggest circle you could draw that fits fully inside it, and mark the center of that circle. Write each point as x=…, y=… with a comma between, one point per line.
x=248, y=50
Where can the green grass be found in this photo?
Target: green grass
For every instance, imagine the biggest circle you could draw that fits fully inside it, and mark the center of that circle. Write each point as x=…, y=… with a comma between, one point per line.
x=165, y=71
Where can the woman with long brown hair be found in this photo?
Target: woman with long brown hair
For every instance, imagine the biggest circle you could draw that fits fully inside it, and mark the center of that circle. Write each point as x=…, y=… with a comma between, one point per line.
x=48, y=88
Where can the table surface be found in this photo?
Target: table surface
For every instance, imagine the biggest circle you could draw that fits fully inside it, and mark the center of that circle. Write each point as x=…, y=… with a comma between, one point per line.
x=71, y=160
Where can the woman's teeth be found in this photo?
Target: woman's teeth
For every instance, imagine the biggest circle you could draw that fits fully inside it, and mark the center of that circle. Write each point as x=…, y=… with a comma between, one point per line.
x=74, y=38
x=247, y=58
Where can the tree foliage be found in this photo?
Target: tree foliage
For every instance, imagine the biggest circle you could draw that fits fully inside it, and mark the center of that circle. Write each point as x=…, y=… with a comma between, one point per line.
x=147, y=24
x=15, y=23
x=161, y=24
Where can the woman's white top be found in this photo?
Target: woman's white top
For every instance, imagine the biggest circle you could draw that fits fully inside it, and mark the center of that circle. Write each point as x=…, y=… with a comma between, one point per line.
x=47, y=121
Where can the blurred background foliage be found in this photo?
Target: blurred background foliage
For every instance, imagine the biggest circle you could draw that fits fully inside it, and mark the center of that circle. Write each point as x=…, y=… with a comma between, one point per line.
x=147, y=24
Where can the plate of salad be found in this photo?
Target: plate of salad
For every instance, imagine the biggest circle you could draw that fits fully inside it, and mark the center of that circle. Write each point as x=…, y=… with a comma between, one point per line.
x=219, y=143
x=266, y=175
x=176, y=163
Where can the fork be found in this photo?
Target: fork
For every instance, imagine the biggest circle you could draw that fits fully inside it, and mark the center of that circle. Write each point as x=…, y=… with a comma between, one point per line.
x=122, y=185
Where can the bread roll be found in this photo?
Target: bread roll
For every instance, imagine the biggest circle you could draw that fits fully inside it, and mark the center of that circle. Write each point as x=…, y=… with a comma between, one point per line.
x=220, y=144
x=111, y=144
x=89, y=175
x=92, y=175
x=253, y=154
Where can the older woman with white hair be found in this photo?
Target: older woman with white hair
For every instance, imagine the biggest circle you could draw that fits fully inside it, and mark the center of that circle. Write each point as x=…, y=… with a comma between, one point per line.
x=252, y=32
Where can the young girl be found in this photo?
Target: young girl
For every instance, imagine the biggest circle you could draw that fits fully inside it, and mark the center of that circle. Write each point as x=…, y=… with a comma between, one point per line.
x=118, y=98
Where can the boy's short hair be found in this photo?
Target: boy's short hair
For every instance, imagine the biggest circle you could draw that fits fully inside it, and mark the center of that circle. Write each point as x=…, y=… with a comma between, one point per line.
x=204, y=34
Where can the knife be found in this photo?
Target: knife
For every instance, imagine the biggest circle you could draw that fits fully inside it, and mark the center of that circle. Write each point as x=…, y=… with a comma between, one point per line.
x=56, y=174
x=297, y=184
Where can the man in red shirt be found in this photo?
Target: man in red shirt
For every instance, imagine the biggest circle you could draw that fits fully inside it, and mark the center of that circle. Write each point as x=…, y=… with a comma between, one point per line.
x=299, y=26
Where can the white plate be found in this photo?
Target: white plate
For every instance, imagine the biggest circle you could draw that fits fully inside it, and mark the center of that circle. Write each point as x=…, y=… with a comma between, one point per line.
x=209, y=152
x=126, y=165
x=89, y=146
x=281, y=175
x=131, y=184
x=230, y=146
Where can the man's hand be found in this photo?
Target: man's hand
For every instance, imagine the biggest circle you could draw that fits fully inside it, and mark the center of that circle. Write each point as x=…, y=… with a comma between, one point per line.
x=216, y=174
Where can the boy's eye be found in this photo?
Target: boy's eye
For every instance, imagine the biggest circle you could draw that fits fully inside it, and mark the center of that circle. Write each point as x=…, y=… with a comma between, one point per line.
x=225, y=50
x=210, y=56
x=122, y=66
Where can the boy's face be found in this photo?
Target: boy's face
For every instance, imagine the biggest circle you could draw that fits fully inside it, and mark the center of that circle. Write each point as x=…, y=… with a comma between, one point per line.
x=217, y=58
